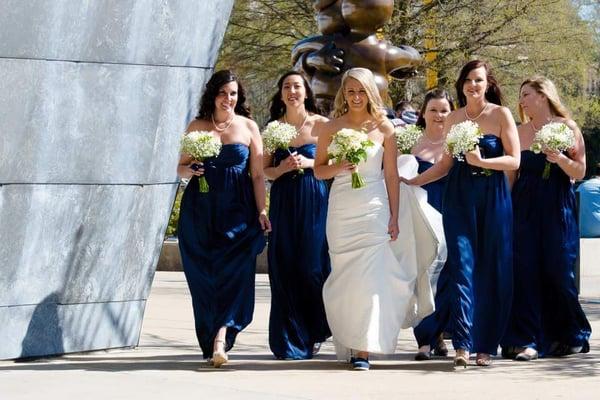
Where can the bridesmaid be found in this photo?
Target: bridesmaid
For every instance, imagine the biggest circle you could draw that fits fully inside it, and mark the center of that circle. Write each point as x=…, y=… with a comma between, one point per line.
x=221, y=232
x=546, y=317
x=477, y=213
x=428, y=151
x=297, y=253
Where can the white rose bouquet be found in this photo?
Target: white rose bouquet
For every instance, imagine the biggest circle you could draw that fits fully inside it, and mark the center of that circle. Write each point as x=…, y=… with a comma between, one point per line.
x=350, y=145
x=555, y=136
x=279, y=135
x=462, y=138
x=201, y=145
x=406, y=137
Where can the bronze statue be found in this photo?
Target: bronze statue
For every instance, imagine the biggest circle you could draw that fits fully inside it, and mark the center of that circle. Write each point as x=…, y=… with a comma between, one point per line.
x=348, y=40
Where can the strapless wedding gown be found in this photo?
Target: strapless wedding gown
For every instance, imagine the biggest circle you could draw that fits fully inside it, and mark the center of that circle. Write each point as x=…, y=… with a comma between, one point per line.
x=376, y=287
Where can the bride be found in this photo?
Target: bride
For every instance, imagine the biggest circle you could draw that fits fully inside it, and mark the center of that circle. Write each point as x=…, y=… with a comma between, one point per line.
x=371, y=291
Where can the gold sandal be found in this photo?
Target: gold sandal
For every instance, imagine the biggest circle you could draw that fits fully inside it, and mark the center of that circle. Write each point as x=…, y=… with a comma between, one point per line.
x=461, y=359
x=220, y=356
x=483, y=360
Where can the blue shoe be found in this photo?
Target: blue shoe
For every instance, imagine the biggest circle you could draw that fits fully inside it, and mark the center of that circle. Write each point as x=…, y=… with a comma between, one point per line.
x=360, y=364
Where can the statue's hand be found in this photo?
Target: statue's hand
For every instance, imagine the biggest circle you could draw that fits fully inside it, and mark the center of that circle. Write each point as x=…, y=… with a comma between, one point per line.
x=328, y=59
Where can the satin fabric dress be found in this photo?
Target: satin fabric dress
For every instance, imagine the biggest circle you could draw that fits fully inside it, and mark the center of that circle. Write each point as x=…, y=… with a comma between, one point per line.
x=219, y=239
x=428, y=331
x=546, y=308
x=298, y=260
x=477, y=218
x=371, y=292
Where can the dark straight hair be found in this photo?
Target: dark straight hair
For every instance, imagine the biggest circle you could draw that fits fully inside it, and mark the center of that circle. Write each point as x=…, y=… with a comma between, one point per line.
x=493, y=94
x=431, y=95
x=214, y=84
x=277, y=109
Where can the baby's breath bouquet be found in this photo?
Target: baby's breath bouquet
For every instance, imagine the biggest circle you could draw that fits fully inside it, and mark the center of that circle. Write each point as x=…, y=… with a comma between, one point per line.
x=279, y=135
x=201, y=145
x=406, y=137
x=555, y=136
x=351, y=145
x=462, y=138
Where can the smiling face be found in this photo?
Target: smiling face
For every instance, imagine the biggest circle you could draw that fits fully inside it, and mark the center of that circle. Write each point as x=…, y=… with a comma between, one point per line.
x=227, y=97
x=530, y=100
x=355, y=95
x=436, y=112
x=476, y=84
x=293, y=92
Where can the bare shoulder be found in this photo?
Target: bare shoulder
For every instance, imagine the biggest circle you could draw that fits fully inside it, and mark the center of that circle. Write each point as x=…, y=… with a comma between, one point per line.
x=318, y=118
x=198, y=125
x=329, y=127
x=248, y=123
x=569, y=122
x=455, y=116
x=501, y=111
x=387, y=128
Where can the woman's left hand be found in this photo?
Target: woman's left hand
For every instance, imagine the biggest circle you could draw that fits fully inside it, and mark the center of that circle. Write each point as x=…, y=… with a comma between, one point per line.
x=554, y=156
x=304, y=162
x=473, y=157
x=393, y=228
x=265, y=224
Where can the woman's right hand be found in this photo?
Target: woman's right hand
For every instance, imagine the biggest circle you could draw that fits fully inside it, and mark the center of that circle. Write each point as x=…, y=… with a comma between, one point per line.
x=196, y=168
x=291, y=163
x=410, y=182
x=345, y=165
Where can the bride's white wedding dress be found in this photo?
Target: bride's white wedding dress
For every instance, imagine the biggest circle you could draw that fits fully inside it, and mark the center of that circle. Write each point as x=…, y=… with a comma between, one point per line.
x=376, y=286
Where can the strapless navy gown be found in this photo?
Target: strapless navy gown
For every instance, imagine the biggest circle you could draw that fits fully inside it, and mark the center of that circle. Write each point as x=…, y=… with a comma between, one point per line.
x=298, y=260
x=546, y=309
x=219, y=239
x=477, y=217
x=428, y=331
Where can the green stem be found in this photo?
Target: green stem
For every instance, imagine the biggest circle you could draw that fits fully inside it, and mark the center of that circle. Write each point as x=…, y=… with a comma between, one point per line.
x=203, y=184
x=357, y=181
x=546, y=173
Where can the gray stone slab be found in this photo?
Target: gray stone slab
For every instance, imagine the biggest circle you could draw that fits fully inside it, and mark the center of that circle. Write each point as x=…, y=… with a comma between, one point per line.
x=163, y=32
x=80, y=243
x=51, y=328
x=93, y=123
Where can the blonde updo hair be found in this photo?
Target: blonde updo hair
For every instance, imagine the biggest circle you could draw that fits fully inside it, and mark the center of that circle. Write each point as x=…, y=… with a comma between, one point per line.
x=544, y=86
x=365, y=77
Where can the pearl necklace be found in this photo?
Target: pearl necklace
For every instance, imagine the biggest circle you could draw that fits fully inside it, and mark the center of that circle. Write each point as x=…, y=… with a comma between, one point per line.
x=432, y=141
x=535, y=128
x=301, y=126
x=229, y=122
x=478, y=115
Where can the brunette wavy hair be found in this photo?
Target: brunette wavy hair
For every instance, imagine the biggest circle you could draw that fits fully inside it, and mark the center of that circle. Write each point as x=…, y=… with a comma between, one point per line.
x=214, y=84
x=493, y=94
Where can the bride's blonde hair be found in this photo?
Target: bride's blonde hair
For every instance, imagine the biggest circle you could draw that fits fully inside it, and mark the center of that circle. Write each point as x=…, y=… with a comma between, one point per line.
x=545, y=86
x=365, y=77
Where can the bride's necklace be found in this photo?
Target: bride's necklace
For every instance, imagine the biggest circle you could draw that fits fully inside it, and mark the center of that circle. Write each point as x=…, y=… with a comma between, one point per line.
x=478, y=115
x=301, y=126
x=228, y=123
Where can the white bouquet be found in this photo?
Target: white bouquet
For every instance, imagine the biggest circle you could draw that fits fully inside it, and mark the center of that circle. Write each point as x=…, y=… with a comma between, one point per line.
x=351, y=145
x=462, y=138
x=279, y=135
x=555, y=136
x=201, y=145
x=406, y=137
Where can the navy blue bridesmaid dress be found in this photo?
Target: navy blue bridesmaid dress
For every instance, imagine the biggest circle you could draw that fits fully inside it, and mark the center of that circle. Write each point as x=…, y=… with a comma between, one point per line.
x=298, y=260
x=429, y=330
x=477, y=218
x=219, y=239
x=546, y=313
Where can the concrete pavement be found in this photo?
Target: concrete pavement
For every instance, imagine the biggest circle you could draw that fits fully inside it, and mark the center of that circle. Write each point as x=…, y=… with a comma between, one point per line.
x=167, y=364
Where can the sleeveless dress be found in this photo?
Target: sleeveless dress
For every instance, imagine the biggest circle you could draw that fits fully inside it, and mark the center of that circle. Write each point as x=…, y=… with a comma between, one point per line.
x=546, y=308
x=298, y=260
x=219, y=239
x=371, y=291
x=477, y=217
x=428, y=331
